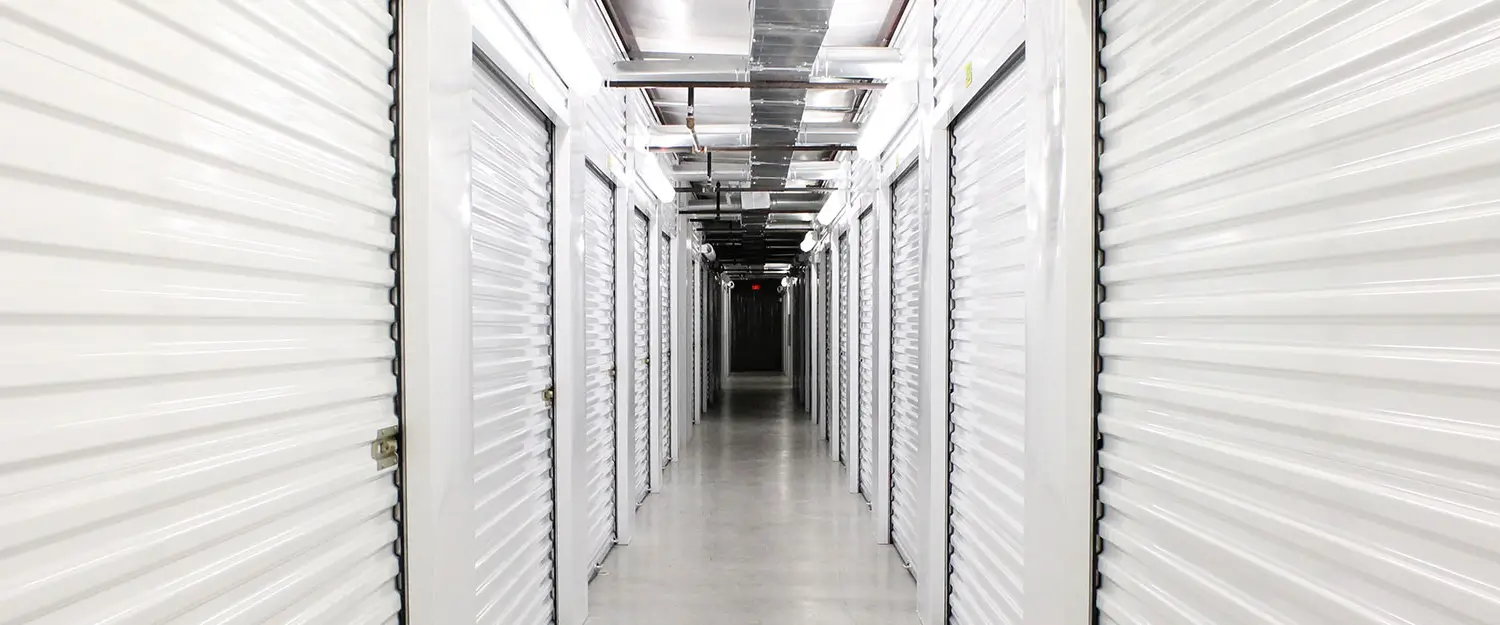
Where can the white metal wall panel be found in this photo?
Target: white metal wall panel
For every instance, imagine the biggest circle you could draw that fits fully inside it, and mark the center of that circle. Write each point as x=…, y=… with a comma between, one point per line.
x=599, y=310
x=971, y=40
x=987, y=358
x=867, y=354
x=843, y=340
x=664, y=299
x=906, y=297
x=512, y=352
x=606, y=110
x=198, y=350
x=640, y=295
x=1298, y=411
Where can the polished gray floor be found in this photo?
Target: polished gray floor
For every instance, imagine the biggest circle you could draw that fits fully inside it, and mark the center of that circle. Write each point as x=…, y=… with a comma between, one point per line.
x=755, y=526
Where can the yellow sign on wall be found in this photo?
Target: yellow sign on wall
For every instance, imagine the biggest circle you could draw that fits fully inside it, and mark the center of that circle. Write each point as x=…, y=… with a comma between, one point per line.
x=968, y=74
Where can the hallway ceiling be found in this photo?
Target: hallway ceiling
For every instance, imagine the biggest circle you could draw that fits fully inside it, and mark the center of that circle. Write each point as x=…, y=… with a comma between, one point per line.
x=726, y=30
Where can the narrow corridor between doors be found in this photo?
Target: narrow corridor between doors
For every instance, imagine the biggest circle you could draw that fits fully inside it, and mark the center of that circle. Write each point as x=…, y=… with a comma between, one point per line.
x=755, y=526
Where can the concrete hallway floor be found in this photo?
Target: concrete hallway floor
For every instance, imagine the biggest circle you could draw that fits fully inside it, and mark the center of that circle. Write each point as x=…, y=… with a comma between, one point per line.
x=755, y=527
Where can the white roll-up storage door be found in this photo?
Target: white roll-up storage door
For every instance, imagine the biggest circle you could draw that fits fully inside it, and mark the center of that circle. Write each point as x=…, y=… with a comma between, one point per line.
x=987, y=356
x=640, y=296
x=906, y=296
x=828, y=347
x=512, y=353
x=1300, y=234
x=664, y=298
x=599, y=358
x=199, y=311
x=842, y=323
x=695, y=339
x=867, y=353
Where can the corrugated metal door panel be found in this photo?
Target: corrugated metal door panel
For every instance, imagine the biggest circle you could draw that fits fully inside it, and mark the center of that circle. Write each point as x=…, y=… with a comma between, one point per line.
x=906, y=296
x=640, y=294
x=987, y=358
x=512, y=352
x=866, y=353
x=599, y=309
x=843, y=334
x=202, y=356
x=664, y=266
x=1298, y=409
x=828, y=347
x=971, y=40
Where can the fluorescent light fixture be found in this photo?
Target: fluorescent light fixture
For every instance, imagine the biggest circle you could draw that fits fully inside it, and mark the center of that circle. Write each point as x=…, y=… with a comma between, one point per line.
x=777, y=266
x=832, y=207
x=649, y=169
x=640, y=138
x=892, y=112
x=552, y=28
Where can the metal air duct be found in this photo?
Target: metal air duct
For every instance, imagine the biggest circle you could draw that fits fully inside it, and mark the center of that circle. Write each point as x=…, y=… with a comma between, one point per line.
x=786, y=39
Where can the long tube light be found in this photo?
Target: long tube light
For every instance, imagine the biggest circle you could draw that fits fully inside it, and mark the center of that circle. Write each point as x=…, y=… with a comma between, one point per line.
x=832, y=207
x=648, y=167
x=892, y=111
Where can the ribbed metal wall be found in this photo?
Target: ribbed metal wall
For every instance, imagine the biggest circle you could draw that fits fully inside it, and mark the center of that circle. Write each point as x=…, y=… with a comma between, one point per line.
x=971, y=40
x=1299, y=395
x=906, y=298
x=606, y=111
x=599, y=360
x=197, y=324
x=640, y=335
x=990, y=238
